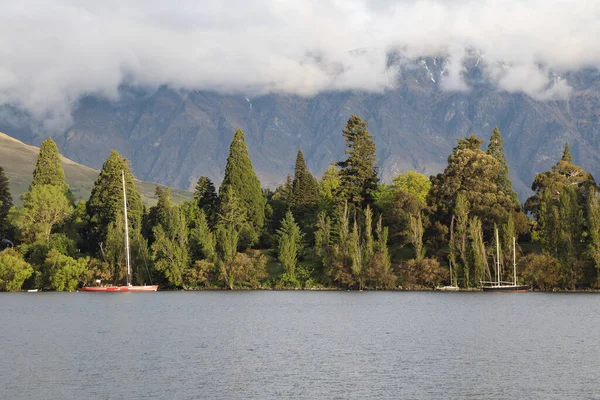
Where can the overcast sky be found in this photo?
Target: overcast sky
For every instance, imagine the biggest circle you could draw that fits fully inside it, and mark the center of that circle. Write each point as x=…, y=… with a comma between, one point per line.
x=52, y=52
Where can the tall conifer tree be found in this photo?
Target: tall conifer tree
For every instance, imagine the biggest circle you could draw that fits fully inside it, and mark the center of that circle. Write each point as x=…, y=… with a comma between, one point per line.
x=305, y=190
x=6, y=203
x=358, y=172
x=48, y=168
x=241, y=178
x=496, y=150
x=206, y=197
x=105, y=205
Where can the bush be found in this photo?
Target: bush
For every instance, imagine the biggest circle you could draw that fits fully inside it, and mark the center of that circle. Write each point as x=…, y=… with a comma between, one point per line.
x=425, y=273
x=66, y=273
x=542, y=271
x=13, y=270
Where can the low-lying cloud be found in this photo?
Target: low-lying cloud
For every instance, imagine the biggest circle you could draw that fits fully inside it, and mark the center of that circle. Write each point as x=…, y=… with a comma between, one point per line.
x=53, y=52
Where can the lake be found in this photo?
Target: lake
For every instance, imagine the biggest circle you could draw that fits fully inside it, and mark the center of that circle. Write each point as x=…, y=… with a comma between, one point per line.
x=301, y=345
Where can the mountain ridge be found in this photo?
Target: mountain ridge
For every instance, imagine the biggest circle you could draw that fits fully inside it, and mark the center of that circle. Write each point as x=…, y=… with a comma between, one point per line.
x=175, y=136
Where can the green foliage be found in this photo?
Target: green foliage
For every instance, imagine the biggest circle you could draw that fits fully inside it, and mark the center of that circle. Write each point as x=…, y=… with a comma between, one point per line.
x=105, y=205
x=44, y=207
x=6, y=203
x=66, y=273
x=416, y=235
x=13, y=270
x=593, y=222
x=206, y=197
x=358, y=173
x=170, y=247
x=289, y=245
x=473, y=173
x=48, y=169
x=329, y=188
x=305, y=190
x=241, y=180
x=414, y=183
x=542, y=271
x=427, y=273
x=496, y=150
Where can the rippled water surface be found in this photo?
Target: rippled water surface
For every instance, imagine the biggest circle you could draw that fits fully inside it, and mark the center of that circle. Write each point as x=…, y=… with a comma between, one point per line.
x=274, y=345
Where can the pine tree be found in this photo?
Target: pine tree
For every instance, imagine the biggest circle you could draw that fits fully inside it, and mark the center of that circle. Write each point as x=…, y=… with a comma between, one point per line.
x=567, y=154
x=358, y=172
x=105, y=205
x=48, y=168
x=6, y=203
x=305, y=190
x=206, y=197
x=241, y=178
x=496, y=150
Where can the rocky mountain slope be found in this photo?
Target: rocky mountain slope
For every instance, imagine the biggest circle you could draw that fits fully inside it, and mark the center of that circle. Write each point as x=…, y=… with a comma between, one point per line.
x=175, y=136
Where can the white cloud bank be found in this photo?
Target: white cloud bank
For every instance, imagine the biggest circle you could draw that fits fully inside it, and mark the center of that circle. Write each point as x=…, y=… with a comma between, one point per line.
x=53, y=52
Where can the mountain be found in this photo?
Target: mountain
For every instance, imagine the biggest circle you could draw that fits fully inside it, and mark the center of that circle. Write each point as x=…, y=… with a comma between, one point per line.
x=18, y=161
x=174, y=136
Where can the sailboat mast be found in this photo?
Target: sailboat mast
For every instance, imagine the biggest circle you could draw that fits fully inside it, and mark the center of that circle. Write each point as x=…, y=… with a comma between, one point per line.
x=514, y=261
x=497, y=256
x=126, y=230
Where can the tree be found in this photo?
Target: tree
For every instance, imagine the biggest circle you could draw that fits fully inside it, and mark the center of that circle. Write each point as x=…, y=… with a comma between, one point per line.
x=474, y=173
x=48, y=168
x=13, y=270
x=358, y=173
x=6, y=203
x=289, y=247
x=105, y=205
x=44, y=206
x=305, y=190
x=66, y=273
x=593, y=222
x=414, y=183
x=496, y=150
x=416, y=236
x=206, y=198
x=243, y=182
x=170, y=248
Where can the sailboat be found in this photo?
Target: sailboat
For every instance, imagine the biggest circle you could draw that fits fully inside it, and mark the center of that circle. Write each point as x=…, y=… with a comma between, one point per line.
x=452, y=287
x=129, y=287
x=499, y=285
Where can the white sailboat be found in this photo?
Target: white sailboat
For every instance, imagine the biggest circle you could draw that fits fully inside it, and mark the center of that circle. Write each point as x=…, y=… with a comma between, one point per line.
x=498, y=285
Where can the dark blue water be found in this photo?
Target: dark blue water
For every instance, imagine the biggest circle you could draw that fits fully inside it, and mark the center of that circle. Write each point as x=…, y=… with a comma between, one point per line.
x=273, y=345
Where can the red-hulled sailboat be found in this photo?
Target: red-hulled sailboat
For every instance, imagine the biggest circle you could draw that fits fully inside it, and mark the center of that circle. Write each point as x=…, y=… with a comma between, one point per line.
x=129, y=287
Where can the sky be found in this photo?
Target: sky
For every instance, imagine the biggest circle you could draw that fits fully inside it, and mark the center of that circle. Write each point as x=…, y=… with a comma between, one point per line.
x=54, y=52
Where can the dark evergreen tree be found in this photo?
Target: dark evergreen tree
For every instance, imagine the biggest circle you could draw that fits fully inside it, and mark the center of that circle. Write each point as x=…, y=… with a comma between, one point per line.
x=241, y=178
x=358, y=173
x=6, y=203
x=567, y=154
x=206, y=198
x=496, y=150
x=106, y=201
x=305, y=190
x=48, y=169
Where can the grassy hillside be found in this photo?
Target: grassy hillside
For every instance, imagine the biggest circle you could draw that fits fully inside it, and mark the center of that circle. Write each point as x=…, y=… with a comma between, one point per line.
x=18, y=161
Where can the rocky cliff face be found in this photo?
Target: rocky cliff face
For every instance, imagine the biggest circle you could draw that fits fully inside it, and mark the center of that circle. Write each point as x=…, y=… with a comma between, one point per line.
x=175, y=136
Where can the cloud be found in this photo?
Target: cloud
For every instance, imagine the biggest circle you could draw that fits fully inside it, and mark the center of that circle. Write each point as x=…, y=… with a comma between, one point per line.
x=53, y=52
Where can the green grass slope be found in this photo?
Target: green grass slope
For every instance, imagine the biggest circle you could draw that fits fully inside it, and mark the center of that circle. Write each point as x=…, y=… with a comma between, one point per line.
x=18, y=160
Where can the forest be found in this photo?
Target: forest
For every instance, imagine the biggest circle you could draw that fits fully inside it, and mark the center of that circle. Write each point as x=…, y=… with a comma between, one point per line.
x=346, y=230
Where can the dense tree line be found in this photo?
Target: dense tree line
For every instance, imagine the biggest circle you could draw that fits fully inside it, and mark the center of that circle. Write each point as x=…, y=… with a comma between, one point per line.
x=346, y=230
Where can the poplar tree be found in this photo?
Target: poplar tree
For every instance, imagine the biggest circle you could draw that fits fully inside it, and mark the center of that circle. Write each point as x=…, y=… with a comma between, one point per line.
x=6, y=203
x=241, y=178
x=48, y=168
x=358, y=172
x=496, y=149
x=289, y=247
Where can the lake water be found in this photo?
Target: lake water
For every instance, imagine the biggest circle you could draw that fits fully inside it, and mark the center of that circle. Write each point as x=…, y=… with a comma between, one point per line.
x=304, y=345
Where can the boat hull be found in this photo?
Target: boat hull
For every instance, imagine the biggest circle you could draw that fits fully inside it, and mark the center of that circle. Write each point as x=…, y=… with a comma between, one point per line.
x=506, y=288
x=104, y=289
x=448, y=288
